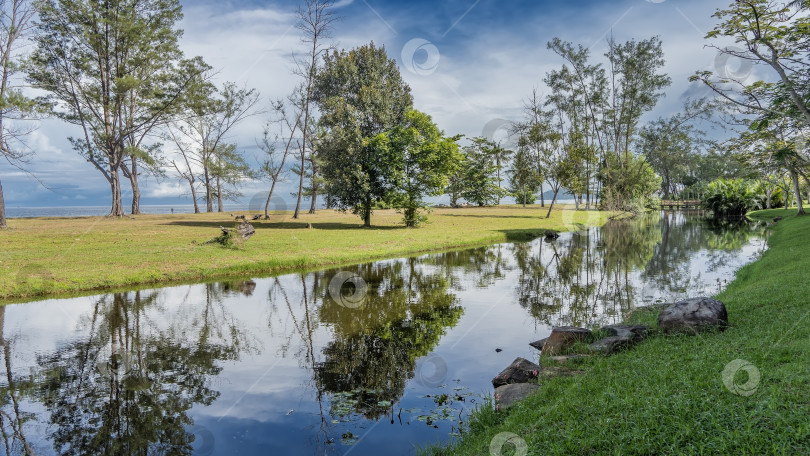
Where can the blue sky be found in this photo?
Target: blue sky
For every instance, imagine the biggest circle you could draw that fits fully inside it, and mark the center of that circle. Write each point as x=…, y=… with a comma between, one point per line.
x=469, y=63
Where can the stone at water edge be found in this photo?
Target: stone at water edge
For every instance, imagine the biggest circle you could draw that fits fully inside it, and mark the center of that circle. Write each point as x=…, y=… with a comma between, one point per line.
x=693, y=315
x=564, y=337
x=637, y=332
x=538, y=344
x=612, y=344
x=520, y=371
x=508, y=395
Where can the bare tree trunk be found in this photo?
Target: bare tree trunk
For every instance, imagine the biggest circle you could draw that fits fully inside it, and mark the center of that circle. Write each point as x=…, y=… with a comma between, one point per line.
x=542, y=196
x=209, y=196
x=3, y=224
x=551, y=206
x=367, y=219
x=267, y=204
x=220, y=206
x=136, y=189
x=194, y=198
x=794, y=176
x=314, y=204
x=301, y=182
x=117, y=209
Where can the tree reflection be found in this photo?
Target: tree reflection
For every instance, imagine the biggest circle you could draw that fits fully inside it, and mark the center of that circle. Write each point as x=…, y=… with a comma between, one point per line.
x=128, y=388
x=375, y=347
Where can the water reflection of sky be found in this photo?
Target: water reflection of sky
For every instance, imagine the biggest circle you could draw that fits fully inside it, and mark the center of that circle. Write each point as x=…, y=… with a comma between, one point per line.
x=276, y=353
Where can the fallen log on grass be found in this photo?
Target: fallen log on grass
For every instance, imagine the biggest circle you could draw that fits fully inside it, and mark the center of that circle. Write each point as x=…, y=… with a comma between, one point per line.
x=229, y=236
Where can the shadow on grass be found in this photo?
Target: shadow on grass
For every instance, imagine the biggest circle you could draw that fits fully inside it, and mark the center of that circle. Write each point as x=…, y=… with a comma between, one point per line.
x=264, y=225
x=523, y=235
x=499, y=216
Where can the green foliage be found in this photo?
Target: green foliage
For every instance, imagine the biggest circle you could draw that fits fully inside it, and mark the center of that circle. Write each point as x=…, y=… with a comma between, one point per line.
x=422, y=159
x=479, y=178
x=361, y=94
x=631, y=189
x=731, y=197
x=110, y=68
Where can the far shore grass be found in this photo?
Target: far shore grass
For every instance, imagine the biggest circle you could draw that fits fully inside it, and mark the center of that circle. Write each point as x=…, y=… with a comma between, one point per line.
x=57, y=256
x=667, y=395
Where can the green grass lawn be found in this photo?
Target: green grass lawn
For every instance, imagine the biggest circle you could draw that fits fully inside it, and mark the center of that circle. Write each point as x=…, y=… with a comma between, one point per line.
x=667, y=395
x=47, y=256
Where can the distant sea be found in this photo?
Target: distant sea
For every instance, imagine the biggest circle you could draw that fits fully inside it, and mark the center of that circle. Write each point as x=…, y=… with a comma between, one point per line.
x=100, y=211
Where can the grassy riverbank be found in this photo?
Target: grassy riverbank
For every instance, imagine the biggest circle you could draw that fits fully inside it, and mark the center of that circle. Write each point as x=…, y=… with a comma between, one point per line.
x=43, y=256
x=667, y=395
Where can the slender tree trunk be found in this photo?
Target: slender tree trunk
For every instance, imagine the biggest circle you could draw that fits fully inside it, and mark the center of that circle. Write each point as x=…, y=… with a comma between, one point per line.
x=220, y=206
x=117, y=209
x=794, y=176
x=768, y=193
x=367, y=221
x=194, y=197
x=542, y=196
x=136, y=189
x=209, y=196
x=300, y=183
x=314, y=205
x=3, y=224
x=551, y=206
x=269, y=195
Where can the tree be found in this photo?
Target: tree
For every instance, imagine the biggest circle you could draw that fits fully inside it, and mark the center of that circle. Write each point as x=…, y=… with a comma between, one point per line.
x=501, y=157
x=107, y=67
x=481, y=173
x=15, y=108
x=201, y=134
x=524, y=178
x=273, y=167
x=773, y=34
x=423, y=159
x=315, y=21
x=360, y=94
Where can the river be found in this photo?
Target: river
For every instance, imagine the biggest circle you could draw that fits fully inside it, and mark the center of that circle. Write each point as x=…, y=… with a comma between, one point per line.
x=378, y=358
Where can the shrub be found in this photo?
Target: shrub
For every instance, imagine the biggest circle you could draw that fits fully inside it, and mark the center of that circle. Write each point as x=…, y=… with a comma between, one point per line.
x=731, y=197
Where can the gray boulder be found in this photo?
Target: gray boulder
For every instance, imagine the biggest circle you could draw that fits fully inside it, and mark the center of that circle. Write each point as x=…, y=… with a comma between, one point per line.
x=693, y=315
x=508, y=395
x=520, y=371
x=612, y=344
x=636, y=332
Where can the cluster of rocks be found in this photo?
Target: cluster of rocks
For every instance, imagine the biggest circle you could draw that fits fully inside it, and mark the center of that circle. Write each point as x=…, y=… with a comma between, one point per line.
x=520, y=378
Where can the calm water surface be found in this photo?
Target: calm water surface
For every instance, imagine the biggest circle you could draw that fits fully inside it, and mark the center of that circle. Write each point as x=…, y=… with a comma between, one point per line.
x=380, y=358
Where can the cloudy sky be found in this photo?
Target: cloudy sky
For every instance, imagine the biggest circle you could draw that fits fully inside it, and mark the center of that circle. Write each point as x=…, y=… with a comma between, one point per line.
x=470, y=65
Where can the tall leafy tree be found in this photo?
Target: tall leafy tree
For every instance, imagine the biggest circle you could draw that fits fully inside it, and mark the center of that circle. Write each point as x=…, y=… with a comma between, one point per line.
x=360, y=94
x=107, y=67
x=524, y=178
x=481, y=173
x=15, y=108
x=423, y=159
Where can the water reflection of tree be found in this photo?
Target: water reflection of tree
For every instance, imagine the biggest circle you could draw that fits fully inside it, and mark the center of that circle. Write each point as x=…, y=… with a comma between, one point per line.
x=128, y=387
x=375, y=347
x=583, y=278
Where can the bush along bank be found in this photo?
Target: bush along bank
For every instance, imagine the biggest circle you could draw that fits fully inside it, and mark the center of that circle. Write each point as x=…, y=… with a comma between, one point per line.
x=733, y=385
